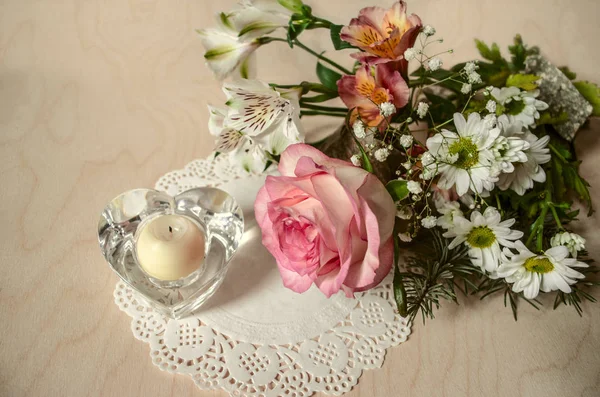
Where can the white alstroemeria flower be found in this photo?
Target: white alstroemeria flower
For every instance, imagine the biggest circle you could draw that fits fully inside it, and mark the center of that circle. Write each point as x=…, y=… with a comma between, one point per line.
x=524, y=174
x=464, y=158
x=269, y=117
x=484, y=234
x=243, y=149
x=509, y=147
x=225, y=51
x=530, y=273
x=573, y=242
x=520, y=105
x=257, y=122
x=255, y=19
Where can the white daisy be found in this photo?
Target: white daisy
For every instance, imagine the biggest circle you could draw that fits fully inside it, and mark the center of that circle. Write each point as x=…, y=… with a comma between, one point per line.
x=529, y=272
x=509, y=147
x=519, y=105
x=464, y=158
x=525, y=173
x=448, y=209
x=484, y=234
x=572, y=241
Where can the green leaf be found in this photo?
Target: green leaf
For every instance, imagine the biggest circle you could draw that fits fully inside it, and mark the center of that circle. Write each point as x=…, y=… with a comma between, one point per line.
x=338, y=43
x=399, y=290
x=518, y=52
x=328, y=77
x=397, y=189
x=523, y=81
x=440, y=108
x=492, y=54
x=568, y=72
x=548, y=118
x=591, y=92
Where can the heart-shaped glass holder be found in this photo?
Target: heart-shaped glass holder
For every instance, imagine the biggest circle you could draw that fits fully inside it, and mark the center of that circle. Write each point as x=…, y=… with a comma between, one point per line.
x=214, y=211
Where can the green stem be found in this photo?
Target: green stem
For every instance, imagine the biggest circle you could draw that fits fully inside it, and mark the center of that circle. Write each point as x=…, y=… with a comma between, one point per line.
x=326, y=24
x=321, y=57
x=320, y=113
x=323, y=108
x=265, y=40
x=556, y=218
x=557, y=153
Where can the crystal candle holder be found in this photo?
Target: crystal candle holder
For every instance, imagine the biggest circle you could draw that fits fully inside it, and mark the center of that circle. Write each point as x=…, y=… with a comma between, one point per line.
x=214, y=211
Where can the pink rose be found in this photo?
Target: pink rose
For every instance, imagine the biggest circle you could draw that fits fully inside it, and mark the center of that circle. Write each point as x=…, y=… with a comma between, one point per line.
x=326, y=221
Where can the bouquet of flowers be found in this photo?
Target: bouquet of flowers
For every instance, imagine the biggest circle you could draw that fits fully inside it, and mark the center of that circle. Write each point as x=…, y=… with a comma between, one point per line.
x=467, y=173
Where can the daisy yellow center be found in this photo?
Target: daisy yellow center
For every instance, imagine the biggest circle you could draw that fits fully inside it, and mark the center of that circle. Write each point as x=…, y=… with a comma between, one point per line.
x=481, y=237
x=515, y=107
x=467, y=152
x=539, y=265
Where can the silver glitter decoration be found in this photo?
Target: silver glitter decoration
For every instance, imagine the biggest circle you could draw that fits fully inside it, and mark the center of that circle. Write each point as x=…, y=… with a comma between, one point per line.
x=560, y=94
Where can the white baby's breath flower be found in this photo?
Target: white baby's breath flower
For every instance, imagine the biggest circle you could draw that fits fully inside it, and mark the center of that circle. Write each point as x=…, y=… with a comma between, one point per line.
x=470, y=67
x=404, y=212
x=428, y=30
x=471, y=142
x=490, y=106
x=422, y=109
x=474, y=78
x=381, y=154
x=572, y=241
x=466, y=88
x=359, y=129
x=410, y=54
x=387, y=109
x=430, y=168
x=406, y=140
x=530, y=273
x=434, y=64
x=484, y=234
x=408, y=165
x=414, y=187
x=429, y=222
x=355, y=159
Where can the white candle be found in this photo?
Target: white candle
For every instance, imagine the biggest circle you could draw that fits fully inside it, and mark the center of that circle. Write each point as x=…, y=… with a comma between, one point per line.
x=170, y=247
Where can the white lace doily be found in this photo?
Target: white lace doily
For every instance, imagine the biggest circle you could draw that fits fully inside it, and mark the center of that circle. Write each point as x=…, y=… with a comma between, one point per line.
x=255, y=337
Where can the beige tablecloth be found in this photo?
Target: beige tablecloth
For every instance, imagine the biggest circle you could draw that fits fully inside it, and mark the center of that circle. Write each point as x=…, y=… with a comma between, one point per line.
x=97, y=97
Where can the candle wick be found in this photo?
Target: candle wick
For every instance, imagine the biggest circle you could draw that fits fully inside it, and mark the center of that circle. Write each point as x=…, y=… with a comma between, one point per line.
x=170, y=229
